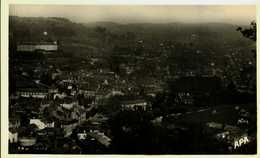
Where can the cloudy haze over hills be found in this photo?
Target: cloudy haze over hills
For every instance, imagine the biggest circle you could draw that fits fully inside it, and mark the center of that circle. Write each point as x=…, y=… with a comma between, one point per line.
x=234, y=14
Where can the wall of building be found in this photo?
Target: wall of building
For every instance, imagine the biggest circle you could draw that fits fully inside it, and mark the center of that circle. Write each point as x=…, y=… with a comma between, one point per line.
x=32, y=48
x=13, y=137
x=28, y=94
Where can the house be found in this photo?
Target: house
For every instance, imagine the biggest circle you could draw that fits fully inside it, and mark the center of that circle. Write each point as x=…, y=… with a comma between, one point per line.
x=184, y=98
x=13, y=136
x=101, y=138
x=88, y=126
x=39, y=124
x=55, y=73
x=42, y=124
x=98, y=118
x=69, y=109
x=39, y=146
x=157, y=120
x=114, y=93
x=193, y=89
x=69, y=102
x=152, y=90
x=27, y=141
x=78, y=113
x=26, y=87
x=85, y=100
x=14, y=122
x=53, y=89
x=45, y=47
x=68, y=127
x=67, y=83
x=82, y=135
x=92, y=132
x=69, y=146
x=43, y=106
x=60, y=96
x=137, y=104
x=61, y=113
x=46, y=132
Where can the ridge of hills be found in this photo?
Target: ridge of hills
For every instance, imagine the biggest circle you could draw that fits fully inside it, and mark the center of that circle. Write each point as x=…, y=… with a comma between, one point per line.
x=85, y=36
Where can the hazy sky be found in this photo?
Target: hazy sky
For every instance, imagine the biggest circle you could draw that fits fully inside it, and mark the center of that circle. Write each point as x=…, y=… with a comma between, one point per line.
x=235, y=14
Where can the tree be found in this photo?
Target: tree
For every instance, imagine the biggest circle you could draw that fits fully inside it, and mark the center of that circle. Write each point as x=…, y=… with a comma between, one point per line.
x=102, y=31
x=130, y=130
x=112, y=105
x=249, y=32
x=250, y=72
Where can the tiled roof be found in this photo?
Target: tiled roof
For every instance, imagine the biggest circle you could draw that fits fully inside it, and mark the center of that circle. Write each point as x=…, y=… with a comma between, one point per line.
x=24, y=82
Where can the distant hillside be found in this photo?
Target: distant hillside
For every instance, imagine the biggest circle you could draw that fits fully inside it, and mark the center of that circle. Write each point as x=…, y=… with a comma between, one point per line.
x=82, y=38
x=25, y=28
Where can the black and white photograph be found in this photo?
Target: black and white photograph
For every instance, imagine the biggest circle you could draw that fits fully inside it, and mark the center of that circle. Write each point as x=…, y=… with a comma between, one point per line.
x=132, y=79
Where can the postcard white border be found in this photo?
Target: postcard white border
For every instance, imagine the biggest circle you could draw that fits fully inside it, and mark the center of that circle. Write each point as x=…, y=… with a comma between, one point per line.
x=4, y=63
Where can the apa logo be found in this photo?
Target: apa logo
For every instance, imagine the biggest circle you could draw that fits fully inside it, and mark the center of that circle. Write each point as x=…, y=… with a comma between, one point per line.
x=240, y=142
